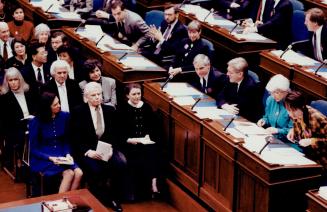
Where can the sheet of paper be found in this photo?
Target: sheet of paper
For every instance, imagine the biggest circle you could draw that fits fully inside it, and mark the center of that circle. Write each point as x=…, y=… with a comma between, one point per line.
x=92, y=32
x=181, y=89
x=255, y=143
x=323, y=192
x=293, y=57
x=137, y=62
x=144, y=140
x=235, y=133
x=45, y=5
x=69, y=15
x=184, y=100
x=249, y=128
x=65, y=161
x=250, y=36
x=220, y=22
x=105, y=150
x=208, y=113
x=287, y=157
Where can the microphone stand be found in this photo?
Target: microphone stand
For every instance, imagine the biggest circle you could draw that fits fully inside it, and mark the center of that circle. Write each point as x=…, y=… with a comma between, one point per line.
x=322, y=64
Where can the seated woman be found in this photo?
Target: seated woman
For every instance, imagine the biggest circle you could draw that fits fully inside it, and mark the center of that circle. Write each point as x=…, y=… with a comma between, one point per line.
x=189, y=48
x=92, y=72
x=49, y=144
x=42, y=34
x=18, y=27
x=71, y=57
x=18, y=103
x=276, y=119
x=138, y=126
x=309, y=129
x=20, y=57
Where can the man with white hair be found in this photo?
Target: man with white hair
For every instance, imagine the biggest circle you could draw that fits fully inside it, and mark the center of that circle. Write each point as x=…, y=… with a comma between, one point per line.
x=66, y=89
x=5, y=41
x=93, y=122
x=241, y=94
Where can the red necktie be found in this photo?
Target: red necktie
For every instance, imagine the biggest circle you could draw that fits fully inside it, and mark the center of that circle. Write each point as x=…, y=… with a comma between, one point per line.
x=259, y=11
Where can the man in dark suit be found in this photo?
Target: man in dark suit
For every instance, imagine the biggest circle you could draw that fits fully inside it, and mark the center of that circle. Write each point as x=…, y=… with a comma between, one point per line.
x=165, y=39
x=66, y=89
x=232, y=9
x=37, y=73
x=273, y=19
x=241, y=94
x=208, y=80
x=93, y=122
x=315, y=21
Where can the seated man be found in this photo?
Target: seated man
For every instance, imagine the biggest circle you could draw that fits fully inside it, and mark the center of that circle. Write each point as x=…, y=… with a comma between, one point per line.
x=208, y=79
x=131, y=28
x=233, y=9
x=273, y=19
x=93, y=122
x=241, y=94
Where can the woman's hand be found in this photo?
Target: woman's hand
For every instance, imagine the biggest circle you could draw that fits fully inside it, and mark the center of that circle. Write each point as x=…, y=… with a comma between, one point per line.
x=54, y=159
x=290, y=135
x=261, y=122
x=305, y=142
x=272, y=130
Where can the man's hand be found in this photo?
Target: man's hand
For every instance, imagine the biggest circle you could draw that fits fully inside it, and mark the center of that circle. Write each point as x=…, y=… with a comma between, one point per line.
x=174, y=71
x=102, y=14
x=290, y=135
x=234, y=5
x=132, y=141
x=250, y=30
x=94, y=155
x=230, y=108
x=156, y=33
x=54, y=160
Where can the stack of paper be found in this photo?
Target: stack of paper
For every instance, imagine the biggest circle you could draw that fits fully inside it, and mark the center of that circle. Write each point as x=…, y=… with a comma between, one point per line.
x=137, y=62
x=250, y=36
x=249, y=128
x=181, y=89
x=295, y=58
x=184, y=100
x=323, y=192
x=105, y=150
x=210, y=113
x=52, y=6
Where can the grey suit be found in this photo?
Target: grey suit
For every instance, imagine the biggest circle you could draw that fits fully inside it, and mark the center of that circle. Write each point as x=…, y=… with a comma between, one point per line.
x=135, y=27
x=108, y=90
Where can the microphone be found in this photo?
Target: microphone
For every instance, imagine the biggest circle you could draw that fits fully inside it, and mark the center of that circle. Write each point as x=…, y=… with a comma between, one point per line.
x=48, y=8
x=96, y=44
x=322, y=64
x=168, y=79
x=183, y=2
x=124, y=55
x=300, y=41
x=269, y=139
x=195, y=103
x=82, y=23
x=291, y=46
x=237, y=23
x=286, y=50
x=229, y=123
x=211, y=11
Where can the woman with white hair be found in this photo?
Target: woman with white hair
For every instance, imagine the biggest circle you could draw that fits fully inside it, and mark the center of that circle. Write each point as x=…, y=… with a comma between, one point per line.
x=42, y=33
x=276, y=119
x=18, y=103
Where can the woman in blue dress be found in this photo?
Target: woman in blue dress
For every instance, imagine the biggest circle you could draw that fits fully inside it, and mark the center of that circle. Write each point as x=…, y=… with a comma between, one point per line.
x=276, y=119
x=49, y=144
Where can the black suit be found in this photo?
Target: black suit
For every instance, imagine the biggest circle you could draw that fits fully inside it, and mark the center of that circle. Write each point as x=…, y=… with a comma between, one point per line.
x=223, y=5
x=74, y=94
x=84, y=138
x=29, y=76
x=323, y=37
x=247, y=98
x=277, y=21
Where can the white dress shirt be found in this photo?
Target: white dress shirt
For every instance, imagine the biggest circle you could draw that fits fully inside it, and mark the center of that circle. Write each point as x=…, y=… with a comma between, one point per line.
x=36, y=72
x=318, y=44
x=20, y=96
x=9, y=51
x=63, y=96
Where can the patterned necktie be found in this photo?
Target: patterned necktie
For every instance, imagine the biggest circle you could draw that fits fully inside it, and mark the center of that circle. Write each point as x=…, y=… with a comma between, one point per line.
x=99, y=128
x=39, y=75
x=5, y=52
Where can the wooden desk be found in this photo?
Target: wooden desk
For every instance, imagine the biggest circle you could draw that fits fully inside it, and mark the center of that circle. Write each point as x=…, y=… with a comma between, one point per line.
x=303, y=80
x=37, y=15
x=84, y=195
x=315, y=202
x=110, y=62
x=315, y=3
x=215, y=167
x=147, y=5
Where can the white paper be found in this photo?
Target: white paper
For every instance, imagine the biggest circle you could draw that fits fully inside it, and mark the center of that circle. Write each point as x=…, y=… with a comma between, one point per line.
x=45, y=4
x=181, y=89
x=323, y=192
x=108, y=43
x=65, y=160
x=184, y=100
x=293, y=57
x=220, y=22
x=210, y=113
x=105, y=150
x=69, y=15
x=250, y=36
x=235, y=133
x=137, y=62
x=255, y=143
x=249, y=128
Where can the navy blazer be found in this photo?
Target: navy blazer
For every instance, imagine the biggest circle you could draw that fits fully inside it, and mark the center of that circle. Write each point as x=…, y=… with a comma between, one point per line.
x=223, y=5
x=30, y=78
x=74, y=93
x=323, y=43
x=248, y=98
x=83, y=131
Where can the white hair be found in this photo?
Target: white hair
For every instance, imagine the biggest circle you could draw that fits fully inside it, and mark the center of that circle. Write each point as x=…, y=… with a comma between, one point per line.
x=201, y=59
x=41, y=28
x=58, y=64
x=3, y=25
x=12, y=73
x=278, y=82
x=89, y=87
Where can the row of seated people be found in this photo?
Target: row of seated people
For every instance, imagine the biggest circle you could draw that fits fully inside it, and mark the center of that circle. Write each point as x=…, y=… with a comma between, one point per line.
x=272, y=19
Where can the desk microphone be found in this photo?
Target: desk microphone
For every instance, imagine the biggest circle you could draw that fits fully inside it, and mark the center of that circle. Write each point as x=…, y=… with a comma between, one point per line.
x=168, y=79
x=211, y=11
x=96, y=44
x=48, y=8
x=289, y=47
x=322, y=64
x=124, y=55
x=268, y=139
x=81, y=24
x=183, y=2
x=237, y=23
x=195, y=103
x=230, y=122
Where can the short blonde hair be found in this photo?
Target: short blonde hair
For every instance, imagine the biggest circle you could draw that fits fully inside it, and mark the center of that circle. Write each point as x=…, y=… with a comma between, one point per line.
x=278, y=82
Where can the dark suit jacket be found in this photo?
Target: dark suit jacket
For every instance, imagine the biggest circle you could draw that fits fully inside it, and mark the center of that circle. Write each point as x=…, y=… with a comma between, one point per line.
x=83, y=131
x=74, y=93
x=277, y=21
x=216, y=82
x=248, y=98
x=310, y=50
x=29, y=76
x=186, y=61
x=236, y=13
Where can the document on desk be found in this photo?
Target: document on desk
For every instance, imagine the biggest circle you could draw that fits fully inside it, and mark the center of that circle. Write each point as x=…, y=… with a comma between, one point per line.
x=181, y=89
x=212, y=113
x=293, y=57
x=68, y=15
x=249, y=128
x=91, y=32
x=184, y=100
x=45, y=5
x=323, y=192
x=255, y=37
x=105, y=150
x=136, y=62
